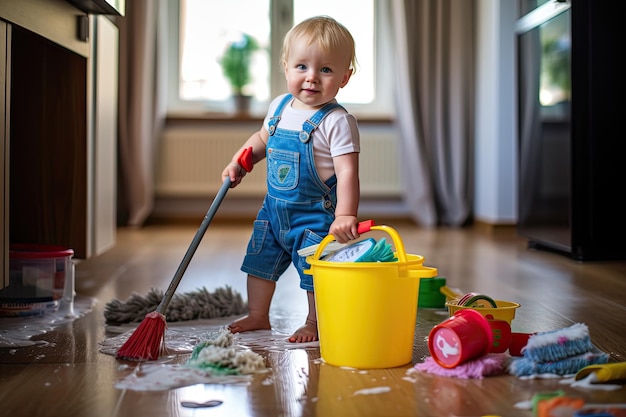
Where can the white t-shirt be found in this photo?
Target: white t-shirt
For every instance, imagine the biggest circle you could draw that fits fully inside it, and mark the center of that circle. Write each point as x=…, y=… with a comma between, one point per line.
x=338, y=134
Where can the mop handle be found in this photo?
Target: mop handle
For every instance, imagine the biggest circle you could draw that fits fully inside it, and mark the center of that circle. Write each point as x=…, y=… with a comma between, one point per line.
x=245, y=161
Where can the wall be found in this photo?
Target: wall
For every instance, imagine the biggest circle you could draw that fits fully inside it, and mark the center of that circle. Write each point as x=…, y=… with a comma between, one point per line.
x=103, y=195
x=191, y=157
x=496, y=149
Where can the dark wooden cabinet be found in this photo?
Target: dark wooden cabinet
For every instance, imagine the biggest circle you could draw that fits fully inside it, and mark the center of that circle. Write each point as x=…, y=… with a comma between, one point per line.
x=48, y=155
x=58, y=128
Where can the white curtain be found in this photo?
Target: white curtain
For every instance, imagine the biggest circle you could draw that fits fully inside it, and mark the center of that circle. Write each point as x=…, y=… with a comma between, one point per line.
x=434, y=42
x=141, y=106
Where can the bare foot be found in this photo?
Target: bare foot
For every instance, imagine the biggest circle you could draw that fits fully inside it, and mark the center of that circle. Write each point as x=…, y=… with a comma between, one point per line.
x=306, y=333
x=248, y=323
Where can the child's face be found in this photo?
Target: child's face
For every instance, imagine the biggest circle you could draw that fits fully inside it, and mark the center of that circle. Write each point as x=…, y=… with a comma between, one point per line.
x=313, y=76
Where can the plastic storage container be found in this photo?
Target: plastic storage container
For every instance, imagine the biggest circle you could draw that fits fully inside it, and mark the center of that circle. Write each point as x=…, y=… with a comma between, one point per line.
x=37, y=278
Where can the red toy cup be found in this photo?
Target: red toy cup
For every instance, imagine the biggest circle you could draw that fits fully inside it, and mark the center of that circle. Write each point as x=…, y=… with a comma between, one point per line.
x=464, y=336
x=501, y=333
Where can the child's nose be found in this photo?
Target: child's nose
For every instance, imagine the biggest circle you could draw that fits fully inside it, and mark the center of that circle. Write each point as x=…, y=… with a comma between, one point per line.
x=311, y=76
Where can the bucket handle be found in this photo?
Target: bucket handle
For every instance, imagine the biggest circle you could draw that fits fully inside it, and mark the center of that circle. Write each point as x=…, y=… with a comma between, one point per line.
x=364, y=227
x=422, y=272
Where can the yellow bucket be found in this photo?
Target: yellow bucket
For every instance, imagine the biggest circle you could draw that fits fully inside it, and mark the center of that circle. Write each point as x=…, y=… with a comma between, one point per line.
x=366, y=311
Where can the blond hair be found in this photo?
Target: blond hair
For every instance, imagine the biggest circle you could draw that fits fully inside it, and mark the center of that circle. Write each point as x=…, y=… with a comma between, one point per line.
x=327, y=33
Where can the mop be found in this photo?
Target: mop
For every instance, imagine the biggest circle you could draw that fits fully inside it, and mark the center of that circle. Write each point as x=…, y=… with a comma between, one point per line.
x=192, y=305
x=146, y=342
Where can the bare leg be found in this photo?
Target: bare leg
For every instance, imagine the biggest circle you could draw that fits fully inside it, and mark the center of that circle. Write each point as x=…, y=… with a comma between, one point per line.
x=308, y=332
x=260, y=293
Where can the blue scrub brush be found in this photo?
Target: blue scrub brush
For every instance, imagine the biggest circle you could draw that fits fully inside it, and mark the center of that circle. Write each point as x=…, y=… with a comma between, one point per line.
x=558, y=344
x=562, y=352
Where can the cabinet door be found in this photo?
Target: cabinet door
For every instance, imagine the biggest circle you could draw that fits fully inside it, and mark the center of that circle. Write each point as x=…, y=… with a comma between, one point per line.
x=48, y=175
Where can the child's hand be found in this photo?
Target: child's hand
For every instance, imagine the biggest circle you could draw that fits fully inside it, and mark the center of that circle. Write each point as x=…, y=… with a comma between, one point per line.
x=236, y=173
x=344, y=228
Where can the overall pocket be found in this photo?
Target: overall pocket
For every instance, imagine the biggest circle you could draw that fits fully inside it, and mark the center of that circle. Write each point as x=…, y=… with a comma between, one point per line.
x=283, y=169
x=259, y=231
x=308, y=239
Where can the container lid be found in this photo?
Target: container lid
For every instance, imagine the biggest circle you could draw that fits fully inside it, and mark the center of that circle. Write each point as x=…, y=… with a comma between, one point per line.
x=25, y=251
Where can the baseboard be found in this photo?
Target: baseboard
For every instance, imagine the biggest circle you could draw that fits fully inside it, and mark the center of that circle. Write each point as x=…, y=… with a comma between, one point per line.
x=495, y=229
x=240, y=209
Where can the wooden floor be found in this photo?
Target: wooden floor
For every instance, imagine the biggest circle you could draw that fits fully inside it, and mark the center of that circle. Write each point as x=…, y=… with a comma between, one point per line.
x=70, y=377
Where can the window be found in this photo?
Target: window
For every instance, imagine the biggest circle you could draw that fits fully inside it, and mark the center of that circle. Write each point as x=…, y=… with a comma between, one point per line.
x=204, y=28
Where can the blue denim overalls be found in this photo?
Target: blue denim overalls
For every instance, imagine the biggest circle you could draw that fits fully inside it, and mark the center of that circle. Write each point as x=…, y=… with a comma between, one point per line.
x=298, y=208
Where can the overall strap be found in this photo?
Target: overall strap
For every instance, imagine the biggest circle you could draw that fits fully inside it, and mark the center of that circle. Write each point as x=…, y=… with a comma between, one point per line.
x=273, y=122
x=314, y=121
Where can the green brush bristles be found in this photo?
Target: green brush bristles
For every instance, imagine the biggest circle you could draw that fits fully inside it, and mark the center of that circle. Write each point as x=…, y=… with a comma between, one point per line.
x=219, y=356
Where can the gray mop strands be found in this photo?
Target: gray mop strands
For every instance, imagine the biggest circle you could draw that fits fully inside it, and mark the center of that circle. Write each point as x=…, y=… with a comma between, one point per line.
x=199, y=304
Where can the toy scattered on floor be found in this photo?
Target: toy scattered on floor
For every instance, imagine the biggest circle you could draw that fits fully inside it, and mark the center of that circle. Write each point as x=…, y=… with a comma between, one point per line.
x=601, y=410
x=603, y=372
x=431, y=293
x=460, y=338
x=478, y=368
x=469, y=334
x=193, y=305
x=476, y=300
x=218, y=355
x=504, y=310
x=558, y=404
x=518, y=343
x=562, y=352
x=434, y=293
x=597, y=377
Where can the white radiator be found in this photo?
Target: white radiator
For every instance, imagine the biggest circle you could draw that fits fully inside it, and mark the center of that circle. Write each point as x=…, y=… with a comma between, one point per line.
x=191, y=159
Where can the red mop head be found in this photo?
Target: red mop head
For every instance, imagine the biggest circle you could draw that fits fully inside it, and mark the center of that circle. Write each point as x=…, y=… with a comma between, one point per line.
x=146, y=342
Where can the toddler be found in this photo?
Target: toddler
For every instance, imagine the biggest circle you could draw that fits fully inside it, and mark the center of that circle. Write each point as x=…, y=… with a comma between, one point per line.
x=312, y=148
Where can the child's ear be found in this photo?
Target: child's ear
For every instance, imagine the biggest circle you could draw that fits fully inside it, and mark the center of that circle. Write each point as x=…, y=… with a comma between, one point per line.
x=346, y=78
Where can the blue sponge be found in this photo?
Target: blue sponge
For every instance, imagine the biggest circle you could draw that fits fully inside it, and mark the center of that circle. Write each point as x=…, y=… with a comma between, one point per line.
x=563, y=351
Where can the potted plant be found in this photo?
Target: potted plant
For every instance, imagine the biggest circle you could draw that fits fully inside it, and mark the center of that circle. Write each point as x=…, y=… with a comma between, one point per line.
x=236, y=63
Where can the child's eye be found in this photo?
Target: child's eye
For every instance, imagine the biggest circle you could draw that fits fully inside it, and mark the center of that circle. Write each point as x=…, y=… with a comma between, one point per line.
x=301, y=67
x=326, y=70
